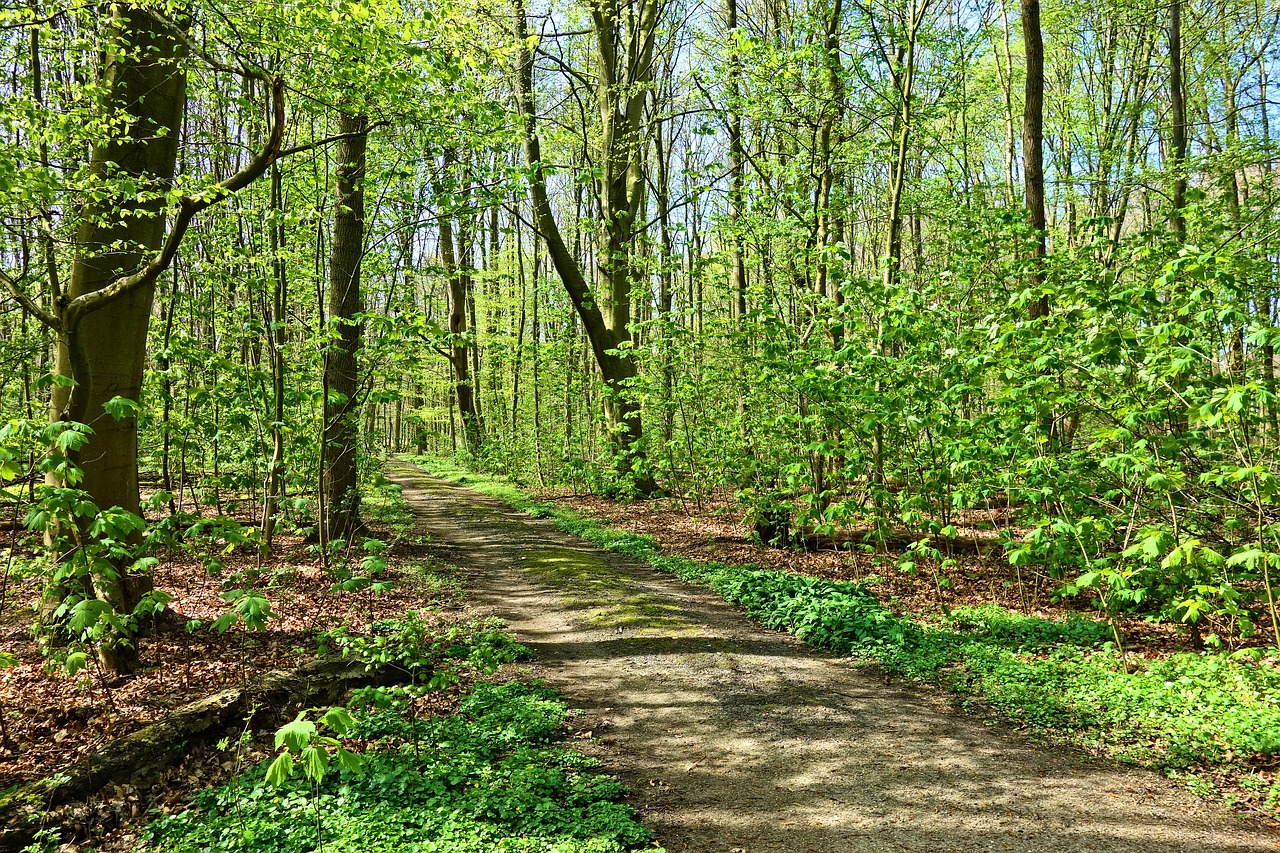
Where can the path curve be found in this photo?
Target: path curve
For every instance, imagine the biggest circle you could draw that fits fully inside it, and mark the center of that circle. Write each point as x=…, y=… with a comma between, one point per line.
x=736, y=739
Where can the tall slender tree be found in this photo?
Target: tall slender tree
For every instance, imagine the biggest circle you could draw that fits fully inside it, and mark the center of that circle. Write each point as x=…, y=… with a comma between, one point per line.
x=625, y=34
x=1033, y=153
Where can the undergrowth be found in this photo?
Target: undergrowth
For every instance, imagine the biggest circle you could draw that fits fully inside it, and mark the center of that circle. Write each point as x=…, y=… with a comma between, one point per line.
x=491, y=777
x=1178, y=711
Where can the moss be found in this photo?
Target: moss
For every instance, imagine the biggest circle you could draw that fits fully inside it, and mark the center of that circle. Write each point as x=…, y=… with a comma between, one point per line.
x=23, y=803
x=607, y=598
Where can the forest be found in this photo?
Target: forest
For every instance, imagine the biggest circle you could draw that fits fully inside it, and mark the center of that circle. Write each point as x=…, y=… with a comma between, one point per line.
x=976, y=298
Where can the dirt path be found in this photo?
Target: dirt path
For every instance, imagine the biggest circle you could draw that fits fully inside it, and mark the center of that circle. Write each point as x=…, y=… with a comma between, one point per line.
x=741, y=740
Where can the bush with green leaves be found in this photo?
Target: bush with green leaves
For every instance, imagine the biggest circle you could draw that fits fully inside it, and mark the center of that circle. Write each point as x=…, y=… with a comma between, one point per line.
x=90, y=551
x=490, y=778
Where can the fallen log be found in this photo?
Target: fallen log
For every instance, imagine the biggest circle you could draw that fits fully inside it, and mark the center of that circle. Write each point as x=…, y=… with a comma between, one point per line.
x=140, y=758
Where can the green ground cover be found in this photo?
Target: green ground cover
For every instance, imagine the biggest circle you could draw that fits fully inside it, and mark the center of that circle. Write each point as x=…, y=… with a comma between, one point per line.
x=1180, y=712
x=379, y=776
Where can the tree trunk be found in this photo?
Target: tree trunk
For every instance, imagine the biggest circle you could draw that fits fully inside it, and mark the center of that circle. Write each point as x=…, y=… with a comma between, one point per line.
x=832, y=118
x=458, y=353
x=621, y=93
x=279, y=302
x=1033, y=153
x=737, y=170
x=1178, y=118
x=104, y=353
x=341, y=408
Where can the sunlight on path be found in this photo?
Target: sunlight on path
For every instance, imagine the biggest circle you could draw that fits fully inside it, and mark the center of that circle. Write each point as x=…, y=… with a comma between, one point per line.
x=739, y=739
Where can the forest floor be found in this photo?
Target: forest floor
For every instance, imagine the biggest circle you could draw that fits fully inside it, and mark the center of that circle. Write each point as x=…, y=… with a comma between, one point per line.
x=739, y=739
x=735, y=739
x=49, y=719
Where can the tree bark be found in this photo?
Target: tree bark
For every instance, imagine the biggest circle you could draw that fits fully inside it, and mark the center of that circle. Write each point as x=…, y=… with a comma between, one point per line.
x=832, y=118
x=104, y=353
x=276, y=339
x=458, y=353
x=1178, y=118
x=737, y=169
x=1033, y=154
x=341, y=407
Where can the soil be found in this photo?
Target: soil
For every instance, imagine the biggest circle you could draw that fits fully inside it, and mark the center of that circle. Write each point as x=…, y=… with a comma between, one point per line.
x=736, y=739
x=49, y=720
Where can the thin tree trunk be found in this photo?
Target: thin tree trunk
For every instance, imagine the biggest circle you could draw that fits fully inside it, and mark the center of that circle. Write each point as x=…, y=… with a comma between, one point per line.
x=737, y=169
x=1178, y=117
x=1033, y=154
x=458, y=353
x=276, y=340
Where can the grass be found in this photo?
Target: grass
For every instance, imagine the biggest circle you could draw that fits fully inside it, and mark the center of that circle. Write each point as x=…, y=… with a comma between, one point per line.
x=1179, y=711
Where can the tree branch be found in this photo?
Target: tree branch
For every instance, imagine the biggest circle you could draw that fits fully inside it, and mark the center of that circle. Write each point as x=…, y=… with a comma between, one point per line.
x=188, y=207
x=31, y=306
x=317, y=143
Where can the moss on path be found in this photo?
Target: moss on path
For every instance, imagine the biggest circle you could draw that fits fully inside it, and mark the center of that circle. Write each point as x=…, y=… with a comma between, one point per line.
x=737, y=738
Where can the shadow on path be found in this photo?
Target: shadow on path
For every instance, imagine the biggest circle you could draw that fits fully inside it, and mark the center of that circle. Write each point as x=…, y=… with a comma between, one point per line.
x=735, y=738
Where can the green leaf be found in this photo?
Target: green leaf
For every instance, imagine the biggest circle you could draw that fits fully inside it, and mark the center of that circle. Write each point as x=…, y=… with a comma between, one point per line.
x=297, y=734
x=315, y=762
x=339, y=720
x=1249, y=558
x=350, y=761
x=87, y=614
x=120, y=408
x=75, y=662
x=280, y=770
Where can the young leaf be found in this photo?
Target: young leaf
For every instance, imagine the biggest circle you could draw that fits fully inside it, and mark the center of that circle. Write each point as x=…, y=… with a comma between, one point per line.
x=280, y=770
x=119, y=408
x=315, y=762
x=296, y=735
x=339, y=720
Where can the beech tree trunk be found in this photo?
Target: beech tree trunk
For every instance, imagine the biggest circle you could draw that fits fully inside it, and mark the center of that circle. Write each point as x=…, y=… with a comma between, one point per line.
x=1178, y=119
x=458, y=351
x=104, y=353
x=1033, y=152
x=111, y=342
x=274, y=485
x=737, y=168
x=341, y=407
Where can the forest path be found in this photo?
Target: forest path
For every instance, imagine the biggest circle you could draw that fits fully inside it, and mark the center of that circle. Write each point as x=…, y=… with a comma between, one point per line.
x=736, y=739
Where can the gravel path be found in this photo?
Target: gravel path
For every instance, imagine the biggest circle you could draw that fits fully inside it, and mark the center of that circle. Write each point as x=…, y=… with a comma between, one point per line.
x=736, y=739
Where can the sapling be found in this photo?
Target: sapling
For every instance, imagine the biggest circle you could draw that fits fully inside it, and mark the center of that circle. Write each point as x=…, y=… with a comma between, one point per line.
x=304, y=744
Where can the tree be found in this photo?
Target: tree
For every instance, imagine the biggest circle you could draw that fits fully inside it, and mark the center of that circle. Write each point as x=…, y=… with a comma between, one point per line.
x=1177, y=123
x=625, y=33
x=122, y=245
x=341, y=372
x=1033, y=152
x=454, y=255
